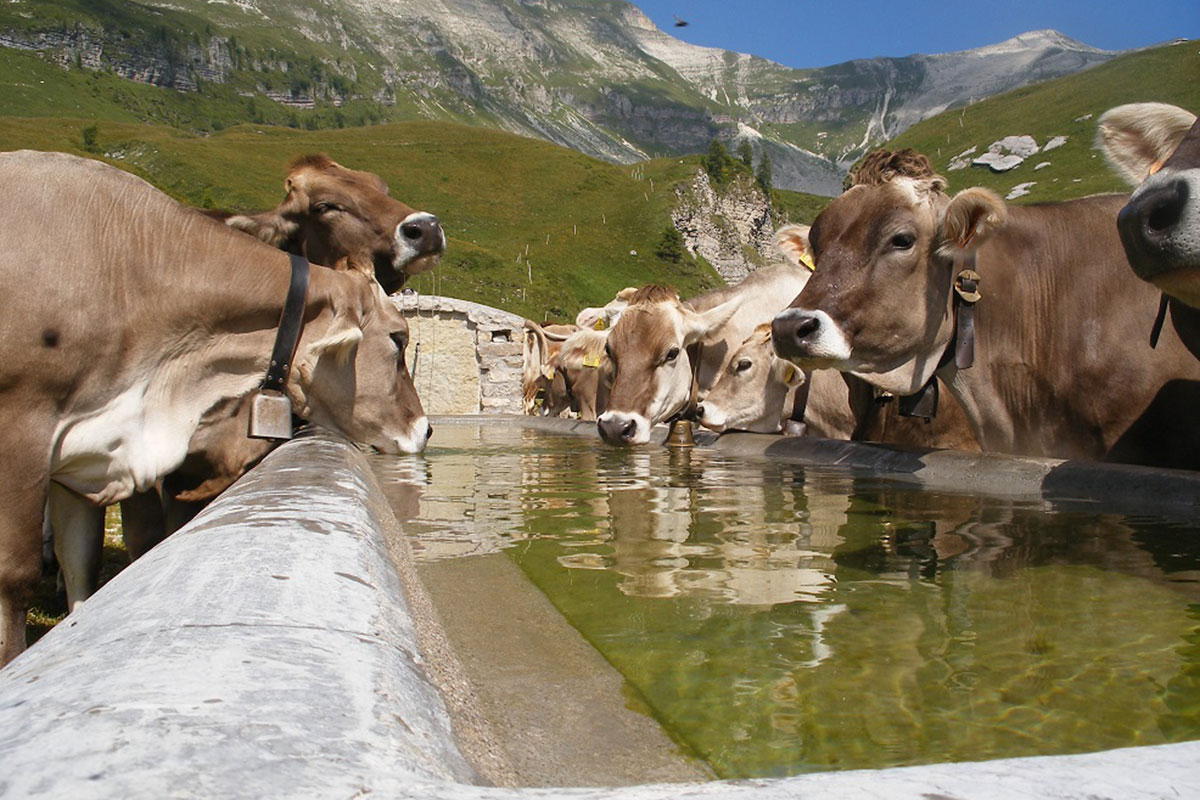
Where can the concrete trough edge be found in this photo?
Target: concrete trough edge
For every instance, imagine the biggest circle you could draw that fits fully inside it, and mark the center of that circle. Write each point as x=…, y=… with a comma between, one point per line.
x=268, y=650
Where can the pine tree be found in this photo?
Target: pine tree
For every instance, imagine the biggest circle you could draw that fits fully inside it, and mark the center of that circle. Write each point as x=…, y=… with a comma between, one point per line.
x=763, y=175
x=718, y=163
x=746, y=153
x=670, y=245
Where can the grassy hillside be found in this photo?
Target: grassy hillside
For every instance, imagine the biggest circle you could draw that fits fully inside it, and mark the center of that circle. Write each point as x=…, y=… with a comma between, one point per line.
x=534, y=228
x=1063, y=107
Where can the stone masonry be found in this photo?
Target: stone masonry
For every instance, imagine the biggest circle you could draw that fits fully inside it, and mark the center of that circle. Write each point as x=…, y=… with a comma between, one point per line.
x=466, y=357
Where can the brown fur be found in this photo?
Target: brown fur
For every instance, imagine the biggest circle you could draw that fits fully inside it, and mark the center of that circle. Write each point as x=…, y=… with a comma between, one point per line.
x=647, y=295
x=881, y=166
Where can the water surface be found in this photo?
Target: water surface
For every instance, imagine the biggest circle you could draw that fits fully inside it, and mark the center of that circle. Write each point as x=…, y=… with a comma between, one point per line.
x=780, y=619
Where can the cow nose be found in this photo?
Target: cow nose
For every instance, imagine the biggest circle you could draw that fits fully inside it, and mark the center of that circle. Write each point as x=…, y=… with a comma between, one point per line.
x=423, y=233
x=791, y=329
x=616, y=430
x=1153, y=215
x=700, y=411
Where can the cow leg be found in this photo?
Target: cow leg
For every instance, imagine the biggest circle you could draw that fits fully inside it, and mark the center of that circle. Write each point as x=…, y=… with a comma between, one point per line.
x=143, y=523
x=22, y=507
x=78, y=542
x=181, y=512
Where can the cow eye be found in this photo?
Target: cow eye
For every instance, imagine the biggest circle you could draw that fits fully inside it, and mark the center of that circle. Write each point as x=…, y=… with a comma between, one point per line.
x=743, y=365
x=608, y=352
x=401, y=340
x=671, y=355
x=903, y=241
x=324, y=208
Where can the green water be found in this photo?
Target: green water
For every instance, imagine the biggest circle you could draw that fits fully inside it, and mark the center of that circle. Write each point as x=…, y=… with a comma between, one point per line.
x=780, y=619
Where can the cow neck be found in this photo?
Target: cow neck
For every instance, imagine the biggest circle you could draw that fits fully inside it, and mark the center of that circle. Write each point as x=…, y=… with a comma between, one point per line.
x=695, y=352
x=960, y=350
x=291, y=325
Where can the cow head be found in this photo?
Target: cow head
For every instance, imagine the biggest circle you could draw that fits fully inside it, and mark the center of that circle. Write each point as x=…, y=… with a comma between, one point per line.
x=652, y=370
x=350, y=371
x=341, y=217
x=752, y=393
x=582, y=372
x=543, y=390
x=879, y=302
x=1158, y=146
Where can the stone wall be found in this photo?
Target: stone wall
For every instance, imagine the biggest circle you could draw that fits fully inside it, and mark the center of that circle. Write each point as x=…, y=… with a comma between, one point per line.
x=466, y=357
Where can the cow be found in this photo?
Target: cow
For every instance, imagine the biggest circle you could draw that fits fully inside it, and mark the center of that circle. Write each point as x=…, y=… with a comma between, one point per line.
x=757, y=390
x=655, y=377
x=582, y=372
x=543, y=392
x=332, y=213
x=1061, y=364
x=339, y=218
x=1156, y=147
x=131, y=317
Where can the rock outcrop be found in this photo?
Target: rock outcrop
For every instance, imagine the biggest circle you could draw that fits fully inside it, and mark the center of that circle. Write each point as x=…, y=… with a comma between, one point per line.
x=730, y=227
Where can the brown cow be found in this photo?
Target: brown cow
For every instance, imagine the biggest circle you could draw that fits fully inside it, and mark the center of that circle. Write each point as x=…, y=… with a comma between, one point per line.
x=581, y=369
x=543, y=391
x=1157, y=148
x=331, y=212
x=653, y=374
x=1062, y=365
x=132, y=317
x=339, y=218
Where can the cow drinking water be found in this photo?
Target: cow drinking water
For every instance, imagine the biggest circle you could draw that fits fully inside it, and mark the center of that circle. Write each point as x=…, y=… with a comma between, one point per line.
x=130, y=319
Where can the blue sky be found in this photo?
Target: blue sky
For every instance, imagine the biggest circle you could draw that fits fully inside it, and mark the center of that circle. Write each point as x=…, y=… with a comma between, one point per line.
x=802, y=33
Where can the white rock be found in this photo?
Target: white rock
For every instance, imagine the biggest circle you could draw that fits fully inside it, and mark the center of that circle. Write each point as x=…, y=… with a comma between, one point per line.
x=963, y=159
x=1023, y=146
x=998, y=162
x=1020, y=190
x=1040, y=165
x=1057, y=141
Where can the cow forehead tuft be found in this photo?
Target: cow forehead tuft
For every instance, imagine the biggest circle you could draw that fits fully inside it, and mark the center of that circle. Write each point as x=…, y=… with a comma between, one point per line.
x=644, y=328
x=653, y=293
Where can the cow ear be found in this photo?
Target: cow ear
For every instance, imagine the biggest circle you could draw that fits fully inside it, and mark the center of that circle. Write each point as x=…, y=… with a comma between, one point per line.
x=970, y=218
x=786, y=372
x=1137, y=138
x=700, y=325
x=792, y=243
x=267, y=226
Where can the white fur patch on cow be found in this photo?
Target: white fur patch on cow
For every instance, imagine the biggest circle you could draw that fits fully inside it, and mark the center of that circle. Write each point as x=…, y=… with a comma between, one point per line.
x=417, y=437
x=829, y=344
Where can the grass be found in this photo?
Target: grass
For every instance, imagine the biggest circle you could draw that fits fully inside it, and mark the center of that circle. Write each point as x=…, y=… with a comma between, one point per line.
x=1062, y=107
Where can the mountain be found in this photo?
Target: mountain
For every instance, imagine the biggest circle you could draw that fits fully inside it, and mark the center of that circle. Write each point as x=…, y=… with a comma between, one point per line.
x=594, y=75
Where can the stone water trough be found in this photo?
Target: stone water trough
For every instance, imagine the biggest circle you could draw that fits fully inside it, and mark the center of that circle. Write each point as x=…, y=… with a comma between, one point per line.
x=280, y=646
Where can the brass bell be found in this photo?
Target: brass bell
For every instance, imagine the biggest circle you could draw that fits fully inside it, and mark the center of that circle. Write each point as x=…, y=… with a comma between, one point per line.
x=681, y=434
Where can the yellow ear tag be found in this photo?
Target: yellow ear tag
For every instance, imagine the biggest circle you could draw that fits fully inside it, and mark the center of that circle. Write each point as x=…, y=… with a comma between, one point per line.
x=599, y=324
x=591, y=361
x=807, y=261
x=791, y=373
x=550, y=375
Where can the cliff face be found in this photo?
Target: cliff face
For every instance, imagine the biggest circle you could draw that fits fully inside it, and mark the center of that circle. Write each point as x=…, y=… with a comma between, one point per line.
x=593, y=75
x=731, y=228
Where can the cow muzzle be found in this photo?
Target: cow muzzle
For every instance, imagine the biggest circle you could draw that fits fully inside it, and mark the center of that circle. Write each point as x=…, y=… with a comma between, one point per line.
x=619, y=428
x=420, y=237
x=418, y=436
x=808, y=338
x=1160, y=228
